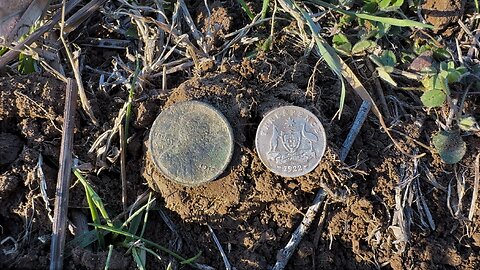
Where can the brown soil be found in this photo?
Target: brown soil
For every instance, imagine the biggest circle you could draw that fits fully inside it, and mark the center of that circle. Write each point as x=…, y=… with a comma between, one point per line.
x=441, y=13
x=252, y=211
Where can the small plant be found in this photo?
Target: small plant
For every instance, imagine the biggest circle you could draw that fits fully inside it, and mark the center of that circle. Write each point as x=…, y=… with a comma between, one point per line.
x=128, y=234
x=450, y=146
x=436, y=84
x=342, y=45
x=385, y=62
x=372, y=6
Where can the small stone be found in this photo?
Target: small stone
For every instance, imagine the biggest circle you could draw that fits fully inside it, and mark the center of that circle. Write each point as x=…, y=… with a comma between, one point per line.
x=423, y=61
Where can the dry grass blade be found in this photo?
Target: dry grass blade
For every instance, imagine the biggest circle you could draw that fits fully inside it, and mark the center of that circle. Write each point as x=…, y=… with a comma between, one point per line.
x=476, y=185
x=228, y=266
x=63, y=182
x=325, y=50
x=123, y=169
x=73, y=58
x=363, y=93
x=43, y=185
x=176, y=243
x=197, y=35
x=425, y=207
x=82, y=14
x=357, y=125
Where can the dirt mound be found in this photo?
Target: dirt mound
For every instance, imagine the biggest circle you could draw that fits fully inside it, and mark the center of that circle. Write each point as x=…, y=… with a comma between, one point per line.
x=441, y=13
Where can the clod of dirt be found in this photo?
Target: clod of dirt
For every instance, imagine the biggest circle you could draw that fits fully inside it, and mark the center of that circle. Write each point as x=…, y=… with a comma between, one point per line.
x=31, y=96
x=246, y=183
x=423, y=61
x=10, y=147
x=216, y=24
x=8, y=183
x=88, y=260
x=440, y=13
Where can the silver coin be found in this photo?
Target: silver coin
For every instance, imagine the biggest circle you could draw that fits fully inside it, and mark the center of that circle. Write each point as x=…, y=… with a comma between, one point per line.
x=290, y=141
x=191, y=143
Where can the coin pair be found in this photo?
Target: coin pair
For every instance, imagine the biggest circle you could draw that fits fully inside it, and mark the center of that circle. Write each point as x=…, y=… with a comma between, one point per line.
x=191, y=143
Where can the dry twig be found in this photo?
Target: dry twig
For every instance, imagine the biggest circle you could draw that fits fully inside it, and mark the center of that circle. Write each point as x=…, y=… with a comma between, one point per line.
x=73, y=58
x=357, y=125
x=476, y=183
x=287, y=252
x=63, y=182
x=228, y=266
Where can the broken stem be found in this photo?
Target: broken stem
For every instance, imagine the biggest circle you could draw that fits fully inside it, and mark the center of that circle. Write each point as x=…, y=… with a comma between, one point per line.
x=287, y=252
x=357, y=125
x=63, y=182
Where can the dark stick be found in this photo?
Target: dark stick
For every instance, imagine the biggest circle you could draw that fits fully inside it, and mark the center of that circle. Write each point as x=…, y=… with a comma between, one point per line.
x=379, y=90
x=63, y=181
x=82, y=14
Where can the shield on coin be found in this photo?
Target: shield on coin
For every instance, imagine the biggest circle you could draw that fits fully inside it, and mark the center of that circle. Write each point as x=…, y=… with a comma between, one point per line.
x=291, y=140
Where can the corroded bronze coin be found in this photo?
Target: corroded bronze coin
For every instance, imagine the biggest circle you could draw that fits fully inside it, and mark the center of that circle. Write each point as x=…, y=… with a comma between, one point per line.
x=191, y=143
x=290, y=141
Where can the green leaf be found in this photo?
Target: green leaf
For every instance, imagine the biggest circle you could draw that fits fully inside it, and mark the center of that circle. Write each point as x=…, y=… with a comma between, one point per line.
x=94, y=197
x=109, y=257
x=362, y=46
x=27, y=64
x=397, y=3
x=429, y=82
x=389, y=5
x=328, y=54
x=139, y=259
x=145, y=241
x=91, y=204
x=83, y=240
x=246, y=9
x=440, y=82
x=342, y=44
x=468, y=124
x=265, y=8
x=131, y=33
x=388, y=58
x=454, y=76
x=383, y=74
x=450, y=146
x=433, y=98
x=194, y=258
x=385, y=20
x=384, y=4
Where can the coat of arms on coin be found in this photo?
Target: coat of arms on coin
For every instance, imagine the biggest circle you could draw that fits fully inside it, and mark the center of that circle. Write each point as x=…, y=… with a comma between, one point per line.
x=191, y=143
x=290, y=141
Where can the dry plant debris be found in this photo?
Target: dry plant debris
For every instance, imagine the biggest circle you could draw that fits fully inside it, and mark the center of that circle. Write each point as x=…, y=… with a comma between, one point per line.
x=400, y=186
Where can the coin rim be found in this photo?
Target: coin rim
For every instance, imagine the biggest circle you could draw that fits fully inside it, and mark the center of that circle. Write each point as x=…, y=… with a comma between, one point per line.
x=309, y=113
x=222, y=117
